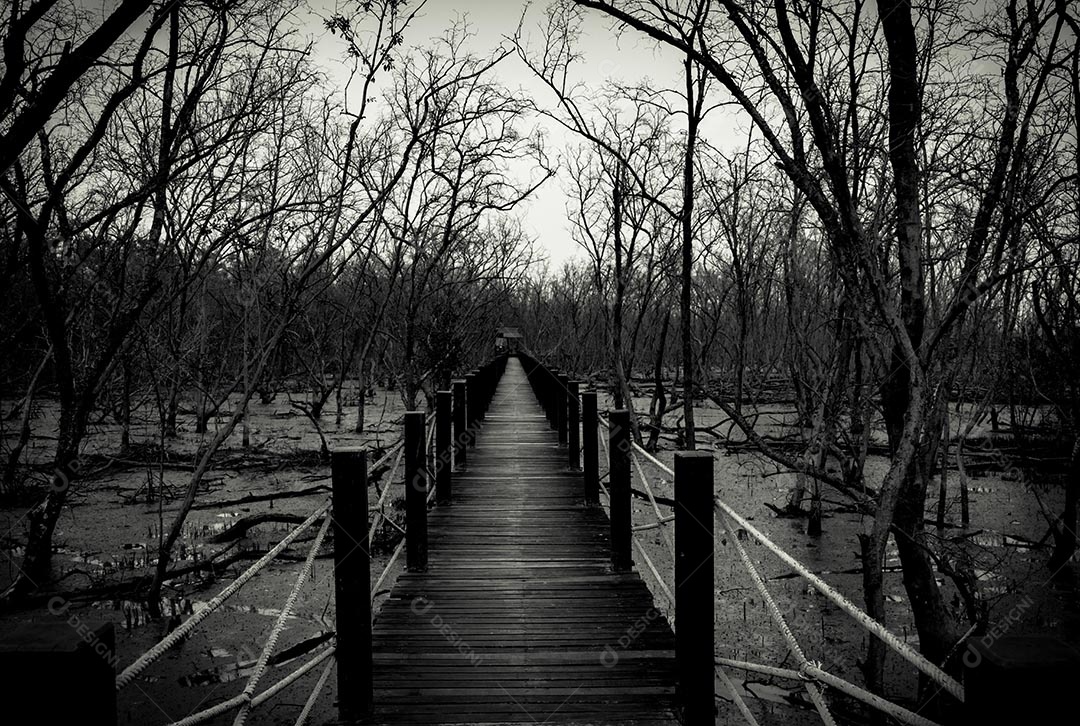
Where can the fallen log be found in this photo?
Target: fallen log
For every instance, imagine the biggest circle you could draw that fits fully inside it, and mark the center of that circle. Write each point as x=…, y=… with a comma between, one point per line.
x=788, y=511
x=254, y=498
x=136, y=586
x=240, y=529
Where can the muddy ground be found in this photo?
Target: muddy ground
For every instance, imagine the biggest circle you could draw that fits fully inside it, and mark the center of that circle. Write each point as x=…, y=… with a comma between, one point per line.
x=108, y=535
x=1005, y=522
x=109, y=532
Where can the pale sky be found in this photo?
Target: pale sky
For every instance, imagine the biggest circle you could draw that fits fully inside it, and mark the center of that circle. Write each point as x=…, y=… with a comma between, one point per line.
x=627, y=59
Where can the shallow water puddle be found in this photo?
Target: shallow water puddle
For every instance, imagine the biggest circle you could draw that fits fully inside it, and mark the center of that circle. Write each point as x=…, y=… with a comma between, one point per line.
x=253, y=609
x=762, y=691
x=137, y=615
x=245, y=661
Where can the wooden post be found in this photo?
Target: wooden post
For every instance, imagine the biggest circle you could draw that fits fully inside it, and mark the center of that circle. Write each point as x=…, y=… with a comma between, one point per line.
x=1016, y=678
x=694, y=585
x=551, y=383
x=472, y=399
x=562, y=394
x=483, y=381
x=540, y=378
x=416, y=491
x=444, y=450
x=573, y=414
x=590, y=445
x=352, y=583
x=619, y=490
x=461, y=425
x=60, y=670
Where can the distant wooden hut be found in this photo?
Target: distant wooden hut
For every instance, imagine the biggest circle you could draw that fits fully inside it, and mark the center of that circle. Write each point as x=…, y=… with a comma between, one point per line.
x=508, y=340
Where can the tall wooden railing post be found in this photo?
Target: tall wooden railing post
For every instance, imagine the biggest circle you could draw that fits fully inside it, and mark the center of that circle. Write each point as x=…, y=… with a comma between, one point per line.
x=461, y=425
x=444, y=450
x=483, y=376
x=62, y=670
x=542, y=387
x=573, y=416
x=1016, y=679
x=416, y=492
x=561, y=403
x=552, y=383
x=472, y=400
x=694, y=585
x=590, y=445
x=619, y=489
x=352, y=583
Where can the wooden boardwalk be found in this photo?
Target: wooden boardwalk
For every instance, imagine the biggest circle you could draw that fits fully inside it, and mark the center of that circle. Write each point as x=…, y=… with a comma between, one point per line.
x=519, y=618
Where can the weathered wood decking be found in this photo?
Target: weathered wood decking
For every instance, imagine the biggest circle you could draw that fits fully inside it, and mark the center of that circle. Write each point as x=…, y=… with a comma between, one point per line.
x=519, y=618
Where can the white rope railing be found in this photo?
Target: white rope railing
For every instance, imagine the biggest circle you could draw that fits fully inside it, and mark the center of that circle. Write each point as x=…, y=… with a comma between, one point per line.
x=247, y=700
x=398, y=449
x=380, y=512
x=394, y=448
x=313, y=697
x=279, y=625
x=654, y=525
x=816, y=672
x=397, y=552
x=656, y=507
x=132, y=671
x=389, y=564
x=902, y=649
x=650, y=566
x=781, y=623
x=397, y=445
x=809, y=670
x=740, y=702
x=229, y=704
x=380, y=506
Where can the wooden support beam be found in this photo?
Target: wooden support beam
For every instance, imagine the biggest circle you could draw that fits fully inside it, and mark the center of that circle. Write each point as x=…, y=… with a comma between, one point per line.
x=573, y=423
x=472, y=400
x=619, y=489
x=694, y=636
x=352, y=583
x=444, y=449
x=562, y=395
x=416, y=492
x=590, y=445
x=461, y=425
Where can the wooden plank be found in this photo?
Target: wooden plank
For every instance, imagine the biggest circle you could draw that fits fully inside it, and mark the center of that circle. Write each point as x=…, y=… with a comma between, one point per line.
x=519, y=618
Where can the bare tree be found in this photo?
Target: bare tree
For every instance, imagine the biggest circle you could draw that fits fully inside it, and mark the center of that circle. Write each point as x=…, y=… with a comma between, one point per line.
x=457, y=181
x=777, y=62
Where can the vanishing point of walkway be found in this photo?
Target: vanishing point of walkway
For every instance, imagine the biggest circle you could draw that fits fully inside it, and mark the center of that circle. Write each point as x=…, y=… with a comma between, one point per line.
x=519, y=617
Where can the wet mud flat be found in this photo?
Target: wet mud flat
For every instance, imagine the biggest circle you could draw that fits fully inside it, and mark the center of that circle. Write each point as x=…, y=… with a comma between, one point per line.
x=107, y=540
x=1002, y=542
x=108, y=537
